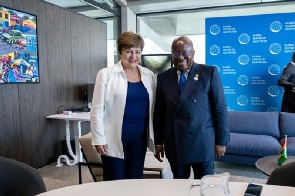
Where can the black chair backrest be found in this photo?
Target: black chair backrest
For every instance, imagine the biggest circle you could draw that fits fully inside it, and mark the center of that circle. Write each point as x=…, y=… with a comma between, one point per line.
x=283, y=176
x=17, y=178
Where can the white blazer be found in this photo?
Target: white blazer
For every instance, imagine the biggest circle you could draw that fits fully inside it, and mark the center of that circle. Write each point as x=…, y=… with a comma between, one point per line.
x=108, y=105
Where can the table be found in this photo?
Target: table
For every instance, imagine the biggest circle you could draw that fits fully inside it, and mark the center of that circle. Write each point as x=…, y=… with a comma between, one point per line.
x=267, y=164
x=77, y=118
x=163, y=187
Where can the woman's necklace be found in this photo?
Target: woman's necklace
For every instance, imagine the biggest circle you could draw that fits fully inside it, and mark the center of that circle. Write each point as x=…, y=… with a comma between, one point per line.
x=131, y=77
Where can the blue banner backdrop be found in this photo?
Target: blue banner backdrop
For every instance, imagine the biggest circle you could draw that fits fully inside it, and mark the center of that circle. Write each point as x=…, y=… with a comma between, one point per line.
x=250, y=53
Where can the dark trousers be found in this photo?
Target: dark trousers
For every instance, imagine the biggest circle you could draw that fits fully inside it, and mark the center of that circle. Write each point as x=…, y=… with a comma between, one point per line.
x=131, y=167
x=183, y=171
x=288, y=102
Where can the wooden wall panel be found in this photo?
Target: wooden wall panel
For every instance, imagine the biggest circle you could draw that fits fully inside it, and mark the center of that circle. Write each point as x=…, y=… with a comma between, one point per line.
x=44, y=150
x=29, y=96
x=10, y=135
x=80, y=51
x=99, y=51
x=68, y=46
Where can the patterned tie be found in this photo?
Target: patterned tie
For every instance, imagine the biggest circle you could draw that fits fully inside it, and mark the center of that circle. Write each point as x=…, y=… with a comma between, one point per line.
x=182, y=81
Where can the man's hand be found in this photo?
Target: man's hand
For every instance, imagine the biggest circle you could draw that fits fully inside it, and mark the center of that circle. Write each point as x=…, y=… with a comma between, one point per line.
x=159, y=153
x=219, y=151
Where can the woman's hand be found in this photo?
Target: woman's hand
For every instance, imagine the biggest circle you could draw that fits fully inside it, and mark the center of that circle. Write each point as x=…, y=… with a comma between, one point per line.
x=101, y=149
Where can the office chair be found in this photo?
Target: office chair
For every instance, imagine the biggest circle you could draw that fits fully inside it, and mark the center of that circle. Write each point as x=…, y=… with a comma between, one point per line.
x=283, y=175
x=19, y=179
x=152, y=168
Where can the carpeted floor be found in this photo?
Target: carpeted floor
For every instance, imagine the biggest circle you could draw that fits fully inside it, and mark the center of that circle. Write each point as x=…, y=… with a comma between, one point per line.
x=58, y=177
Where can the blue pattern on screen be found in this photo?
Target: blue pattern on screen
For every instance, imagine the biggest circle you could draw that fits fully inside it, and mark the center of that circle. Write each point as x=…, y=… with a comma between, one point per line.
x=251, y=53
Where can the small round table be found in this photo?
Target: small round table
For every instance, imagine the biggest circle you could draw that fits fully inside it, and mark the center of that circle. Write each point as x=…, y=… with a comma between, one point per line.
x=267, y=164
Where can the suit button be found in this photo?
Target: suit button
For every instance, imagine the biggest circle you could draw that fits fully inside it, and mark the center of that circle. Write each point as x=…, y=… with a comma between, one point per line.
x=194, y=101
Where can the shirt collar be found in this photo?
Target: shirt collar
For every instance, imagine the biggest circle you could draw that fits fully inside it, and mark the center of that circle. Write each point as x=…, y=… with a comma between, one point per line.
x=186, y=73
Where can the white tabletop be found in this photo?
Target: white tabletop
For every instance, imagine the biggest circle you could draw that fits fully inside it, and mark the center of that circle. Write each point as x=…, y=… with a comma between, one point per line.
x=83, y=116
x=156, y=187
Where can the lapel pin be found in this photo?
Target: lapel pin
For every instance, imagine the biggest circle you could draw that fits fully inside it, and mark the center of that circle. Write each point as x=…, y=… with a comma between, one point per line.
x=196, y=77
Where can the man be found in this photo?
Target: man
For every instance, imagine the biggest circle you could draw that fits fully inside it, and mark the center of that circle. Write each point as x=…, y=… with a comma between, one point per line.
x=192, y=124
x=287, y=80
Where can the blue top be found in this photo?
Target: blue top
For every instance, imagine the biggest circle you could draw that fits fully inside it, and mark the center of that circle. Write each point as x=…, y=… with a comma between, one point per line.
x=136, y=108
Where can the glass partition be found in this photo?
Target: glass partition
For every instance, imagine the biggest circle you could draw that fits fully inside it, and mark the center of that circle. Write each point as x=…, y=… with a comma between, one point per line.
x=159, y=29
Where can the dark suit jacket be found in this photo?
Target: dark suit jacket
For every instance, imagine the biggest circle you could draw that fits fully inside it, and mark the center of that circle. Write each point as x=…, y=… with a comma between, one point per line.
x=287, y=79
x=189, y=124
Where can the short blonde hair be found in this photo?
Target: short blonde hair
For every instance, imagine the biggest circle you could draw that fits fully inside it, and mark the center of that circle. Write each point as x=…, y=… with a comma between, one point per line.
x=129, y=39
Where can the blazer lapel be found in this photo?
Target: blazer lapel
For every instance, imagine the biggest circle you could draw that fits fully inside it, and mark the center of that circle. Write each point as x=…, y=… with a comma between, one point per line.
x=172, y=79
x=191, y=82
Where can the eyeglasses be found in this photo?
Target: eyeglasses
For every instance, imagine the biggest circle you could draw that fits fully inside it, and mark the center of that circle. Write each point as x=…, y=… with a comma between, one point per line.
x=177, y=54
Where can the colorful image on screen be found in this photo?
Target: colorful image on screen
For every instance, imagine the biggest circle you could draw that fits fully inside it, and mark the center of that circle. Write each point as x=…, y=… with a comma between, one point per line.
x=18, y=47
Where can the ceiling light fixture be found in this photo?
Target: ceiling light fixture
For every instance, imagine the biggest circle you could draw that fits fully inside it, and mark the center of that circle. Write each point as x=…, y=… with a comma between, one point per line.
x=102, y=6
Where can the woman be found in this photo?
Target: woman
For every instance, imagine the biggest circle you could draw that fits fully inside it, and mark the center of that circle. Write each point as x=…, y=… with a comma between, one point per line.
x=121, y=112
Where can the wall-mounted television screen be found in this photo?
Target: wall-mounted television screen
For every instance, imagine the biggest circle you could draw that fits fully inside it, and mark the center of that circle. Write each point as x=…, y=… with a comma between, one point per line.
x=89, y=94
x=156, y=62
x=18, y=47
